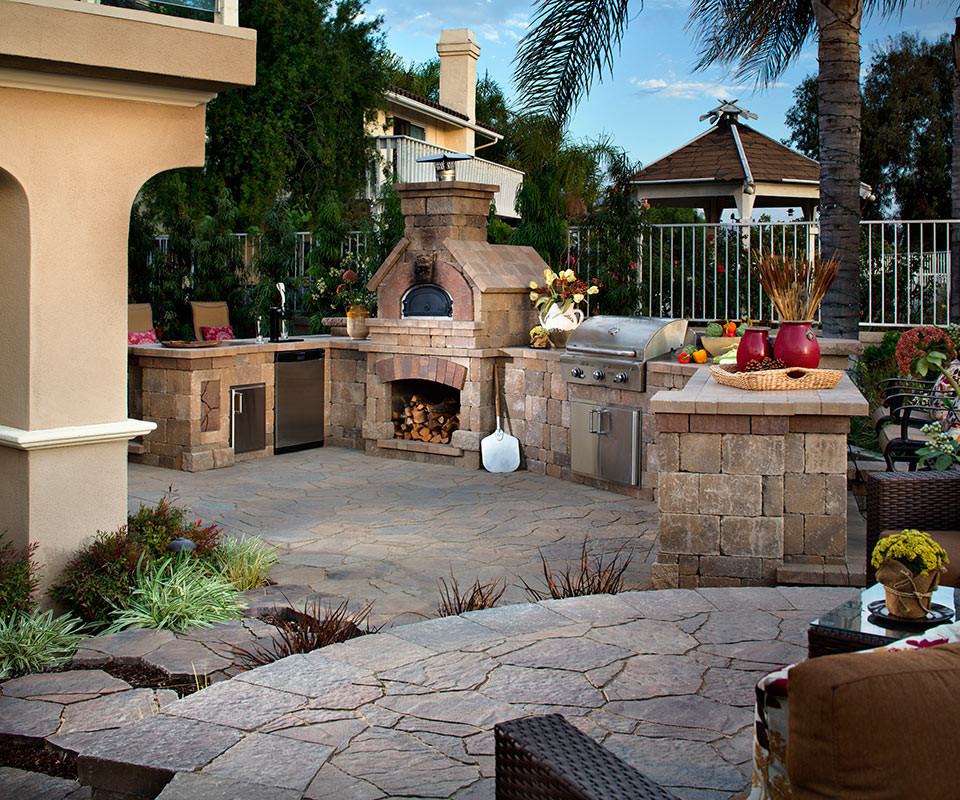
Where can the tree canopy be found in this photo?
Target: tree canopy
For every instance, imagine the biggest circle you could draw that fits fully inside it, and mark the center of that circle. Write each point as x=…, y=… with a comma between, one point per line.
x=906, y=144
x=298, y=133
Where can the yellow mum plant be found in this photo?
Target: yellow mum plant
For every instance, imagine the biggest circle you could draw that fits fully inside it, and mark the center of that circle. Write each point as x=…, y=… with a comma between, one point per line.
x=916, y=550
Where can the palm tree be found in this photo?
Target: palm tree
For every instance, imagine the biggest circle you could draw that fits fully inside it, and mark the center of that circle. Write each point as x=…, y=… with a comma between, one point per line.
x=572, y=40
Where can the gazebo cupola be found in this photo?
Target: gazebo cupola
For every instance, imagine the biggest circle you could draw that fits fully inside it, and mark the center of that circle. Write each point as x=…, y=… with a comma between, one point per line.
x=731, y=165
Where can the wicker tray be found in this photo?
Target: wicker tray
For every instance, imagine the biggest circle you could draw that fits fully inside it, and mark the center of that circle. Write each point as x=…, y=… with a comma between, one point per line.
x=776, y=379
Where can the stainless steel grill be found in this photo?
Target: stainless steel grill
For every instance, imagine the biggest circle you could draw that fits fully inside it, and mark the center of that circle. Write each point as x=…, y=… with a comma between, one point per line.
x=611, y=351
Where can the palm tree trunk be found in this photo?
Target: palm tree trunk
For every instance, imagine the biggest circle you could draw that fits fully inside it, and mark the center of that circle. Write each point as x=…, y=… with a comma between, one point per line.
x=954, y=310
x=838, y=23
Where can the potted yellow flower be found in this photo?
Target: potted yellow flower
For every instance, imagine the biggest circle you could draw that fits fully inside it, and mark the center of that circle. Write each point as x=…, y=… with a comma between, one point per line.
x=909, y=565
x=557, y=300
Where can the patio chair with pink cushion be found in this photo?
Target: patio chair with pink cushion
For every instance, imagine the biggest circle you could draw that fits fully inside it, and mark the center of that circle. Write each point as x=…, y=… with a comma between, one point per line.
x=211, y=320
x=140, y=328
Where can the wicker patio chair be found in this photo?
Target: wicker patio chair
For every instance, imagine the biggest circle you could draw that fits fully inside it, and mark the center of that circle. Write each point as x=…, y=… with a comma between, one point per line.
x=546, y=758
x=896, y=500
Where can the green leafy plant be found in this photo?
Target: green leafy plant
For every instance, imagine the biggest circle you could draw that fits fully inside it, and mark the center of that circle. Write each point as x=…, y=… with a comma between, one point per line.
x=177, y=594
x=943, y=450
x=916, y=550
x=245, y=561
x=599, y=574
x=454, y=600
x=31, y=641
x=18, y=577
x=100, y=576
x=303, y=632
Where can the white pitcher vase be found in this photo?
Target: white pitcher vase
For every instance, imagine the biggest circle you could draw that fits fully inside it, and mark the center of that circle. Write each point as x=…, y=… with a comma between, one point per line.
x=557, y=319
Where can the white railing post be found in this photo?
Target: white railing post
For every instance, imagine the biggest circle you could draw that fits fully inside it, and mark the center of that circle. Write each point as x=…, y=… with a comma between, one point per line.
x=227, y=13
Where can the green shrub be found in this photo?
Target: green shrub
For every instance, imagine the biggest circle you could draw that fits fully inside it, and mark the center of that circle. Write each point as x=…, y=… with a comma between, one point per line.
x=177, y=594
x=31, y=642
x=18, y=577
x=101, y=576
x=245, y=561
x=156, y=526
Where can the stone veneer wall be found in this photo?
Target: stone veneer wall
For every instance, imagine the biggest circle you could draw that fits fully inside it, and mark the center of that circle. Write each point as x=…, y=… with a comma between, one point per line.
x=753, y=489
x=345, y=394
x=538, y=413
x=189, y=400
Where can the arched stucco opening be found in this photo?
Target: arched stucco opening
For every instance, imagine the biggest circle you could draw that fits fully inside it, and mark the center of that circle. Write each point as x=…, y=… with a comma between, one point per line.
x=14, y=311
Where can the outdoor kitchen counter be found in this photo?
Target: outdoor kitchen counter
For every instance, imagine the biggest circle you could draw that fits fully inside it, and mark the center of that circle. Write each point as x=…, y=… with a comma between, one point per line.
x=187, y=393
x=753, y=485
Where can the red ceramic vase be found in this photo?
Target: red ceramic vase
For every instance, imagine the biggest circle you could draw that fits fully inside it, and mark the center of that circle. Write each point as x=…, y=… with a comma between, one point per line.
x=796, y=344
x=754, y=345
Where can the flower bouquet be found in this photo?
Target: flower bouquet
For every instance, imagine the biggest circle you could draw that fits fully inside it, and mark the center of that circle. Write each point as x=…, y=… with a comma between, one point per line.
x=909, y=565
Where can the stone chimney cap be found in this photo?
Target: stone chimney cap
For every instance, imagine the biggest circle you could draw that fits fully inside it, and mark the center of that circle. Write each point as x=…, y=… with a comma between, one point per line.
x=458, y=40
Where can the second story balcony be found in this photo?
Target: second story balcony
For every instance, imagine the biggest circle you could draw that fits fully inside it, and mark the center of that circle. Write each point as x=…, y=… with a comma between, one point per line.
x=397, y=160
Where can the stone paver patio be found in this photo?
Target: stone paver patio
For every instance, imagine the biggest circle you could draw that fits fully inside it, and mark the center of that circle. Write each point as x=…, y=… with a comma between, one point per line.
x=664, y=679
x=382, y=530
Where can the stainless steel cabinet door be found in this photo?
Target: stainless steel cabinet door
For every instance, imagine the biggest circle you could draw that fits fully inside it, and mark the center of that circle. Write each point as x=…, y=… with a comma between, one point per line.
x=248, y=418
x=605, y=442
x=584, y=442
x=619, y=451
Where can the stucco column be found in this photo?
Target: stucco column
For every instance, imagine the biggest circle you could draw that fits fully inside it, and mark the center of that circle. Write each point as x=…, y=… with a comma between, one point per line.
x=94, y=100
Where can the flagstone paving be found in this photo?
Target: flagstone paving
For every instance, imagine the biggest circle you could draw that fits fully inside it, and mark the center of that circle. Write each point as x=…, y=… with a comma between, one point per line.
x=664, y=679
x=380, y=530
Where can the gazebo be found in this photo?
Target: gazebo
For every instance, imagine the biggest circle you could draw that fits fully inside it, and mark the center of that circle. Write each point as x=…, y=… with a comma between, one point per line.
x=731, y=165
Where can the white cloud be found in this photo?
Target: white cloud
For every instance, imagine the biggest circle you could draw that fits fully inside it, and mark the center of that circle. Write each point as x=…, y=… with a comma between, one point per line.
x=683, y=89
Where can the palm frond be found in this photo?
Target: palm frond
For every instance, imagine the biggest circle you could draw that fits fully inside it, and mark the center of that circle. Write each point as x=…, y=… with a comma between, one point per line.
x=759, y=38
x=569, y=44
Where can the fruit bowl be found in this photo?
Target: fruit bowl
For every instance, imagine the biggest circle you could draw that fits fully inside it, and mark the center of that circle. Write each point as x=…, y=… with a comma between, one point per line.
x=718, y=345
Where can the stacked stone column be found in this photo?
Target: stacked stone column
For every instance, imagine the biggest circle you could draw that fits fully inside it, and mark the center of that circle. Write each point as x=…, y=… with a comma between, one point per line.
x=750, y=498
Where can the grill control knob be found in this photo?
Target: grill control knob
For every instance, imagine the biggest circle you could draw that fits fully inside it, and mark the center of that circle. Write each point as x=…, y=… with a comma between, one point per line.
x=576, y=372
x=599, y=375
x=620, y=377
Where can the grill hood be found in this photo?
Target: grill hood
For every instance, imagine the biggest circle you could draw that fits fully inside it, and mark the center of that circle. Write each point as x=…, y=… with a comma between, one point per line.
x=639, y=338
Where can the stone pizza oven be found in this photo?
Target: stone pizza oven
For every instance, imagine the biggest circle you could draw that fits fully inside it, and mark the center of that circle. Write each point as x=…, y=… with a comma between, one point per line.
x=447, y=302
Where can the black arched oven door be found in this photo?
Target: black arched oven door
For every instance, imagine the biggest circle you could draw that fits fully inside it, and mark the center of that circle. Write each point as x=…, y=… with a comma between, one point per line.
x=427, y=301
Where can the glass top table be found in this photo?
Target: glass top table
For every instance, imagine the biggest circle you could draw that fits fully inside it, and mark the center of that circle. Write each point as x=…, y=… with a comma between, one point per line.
x=852, y=627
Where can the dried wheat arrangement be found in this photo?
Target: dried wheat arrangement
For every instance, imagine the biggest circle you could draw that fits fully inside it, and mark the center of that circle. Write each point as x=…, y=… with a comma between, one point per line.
x=796, y=287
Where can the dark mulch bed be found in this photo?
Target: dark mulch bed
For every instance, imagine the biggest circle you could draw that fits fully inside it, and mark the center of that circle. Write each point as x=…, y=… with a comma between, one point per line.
x=36, y=757
x=142, y=676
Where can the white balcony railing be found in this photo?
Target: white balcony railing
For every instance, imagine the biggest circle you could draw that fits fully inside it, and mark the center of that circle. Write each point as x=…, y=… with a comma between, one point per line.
x=397, y=157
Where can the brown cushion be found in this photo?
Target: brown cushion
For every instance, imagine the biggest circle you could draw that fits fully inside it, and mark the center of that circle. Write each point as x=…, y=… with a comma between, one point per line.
x=209, y=314
x=876, y=725
x=949, y=541
x=892, y=431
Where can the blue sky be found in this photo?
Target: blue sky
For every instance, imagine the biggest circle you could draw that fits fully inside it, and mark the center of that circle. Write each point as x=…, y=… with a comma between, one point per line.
x=653, y=102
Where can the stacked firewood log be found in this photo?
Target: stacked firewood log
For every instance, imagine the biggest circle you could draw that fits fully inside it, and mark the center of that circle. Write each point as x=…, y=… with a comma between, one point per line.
x=425, y=421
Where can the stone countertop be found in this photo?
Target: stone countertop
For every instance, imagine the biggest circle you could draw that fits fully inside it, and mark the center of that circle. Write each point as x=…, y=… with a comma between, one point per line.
x=703, y=395
x=243, y=347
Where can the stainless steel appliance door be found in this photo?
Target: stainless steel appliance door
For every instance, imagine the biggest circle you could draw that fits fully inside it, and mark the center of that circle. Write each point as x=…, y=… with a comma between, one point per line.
x=619, y=450
x=248, y=418
x=584, y=442
x=299, y=403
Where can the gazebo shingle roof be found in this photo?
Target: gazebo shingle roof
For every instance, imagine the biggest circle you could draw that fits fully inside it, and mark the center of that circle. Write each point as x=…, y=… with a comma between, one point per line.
x=713, y=155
